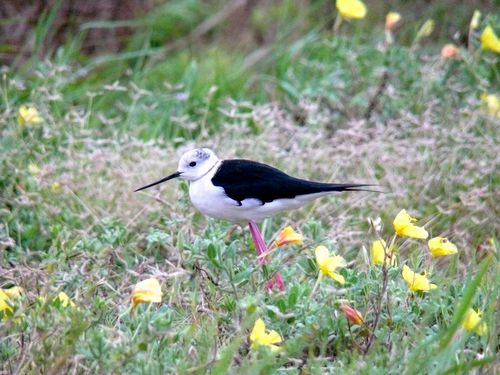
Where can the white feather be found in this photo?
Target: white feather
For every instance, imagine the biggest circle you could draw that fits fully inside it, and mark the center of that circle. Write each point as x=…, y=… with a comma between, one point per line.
x=212, y=201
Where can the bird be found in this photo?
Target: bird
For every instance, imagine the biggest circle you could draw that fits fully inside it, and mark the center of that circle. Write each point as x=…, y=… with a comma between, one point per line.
x=246, y=191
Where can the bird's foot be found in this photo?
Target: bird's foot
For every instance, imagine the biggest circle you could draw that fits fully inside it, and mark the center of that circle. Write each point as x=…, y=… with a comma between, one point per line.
x=260, y=246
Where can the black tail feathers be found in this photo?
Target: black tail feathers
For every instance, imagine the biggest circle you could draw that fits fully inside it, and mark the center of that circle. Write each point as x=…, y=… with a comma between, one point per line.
x=353, y=187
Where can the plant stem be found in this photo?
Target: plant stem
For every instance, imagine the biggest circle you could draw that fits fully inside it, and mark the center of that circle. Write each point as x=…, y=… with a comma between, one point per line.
x=338, y=22
x=318, y=280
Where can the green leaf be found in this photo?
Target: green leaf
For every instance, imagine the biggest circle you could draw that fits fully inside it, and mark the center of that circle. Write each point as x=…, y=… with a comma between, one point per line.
x=212, y=252
x=226, y=357
x=464, y=304
x=293, y=296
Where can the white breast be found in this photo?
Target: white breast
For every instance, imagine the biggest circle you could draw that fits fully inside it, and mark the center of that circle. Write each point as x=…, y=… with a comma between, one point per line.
x=210, y=200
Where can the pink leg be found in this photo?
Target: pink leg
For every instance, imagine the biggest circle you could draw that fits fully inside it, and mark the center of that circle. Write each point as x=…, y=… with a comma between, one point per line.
x=260, y=246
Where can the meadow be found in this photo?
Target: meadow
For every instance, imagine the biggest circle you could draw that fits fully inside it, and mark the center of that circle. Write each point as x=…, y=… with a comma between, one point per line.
x=328, y=99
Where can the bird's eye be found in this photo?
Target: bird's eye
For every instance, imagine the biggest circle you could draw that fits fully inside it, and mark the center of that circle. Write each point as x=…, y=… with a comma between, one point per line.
x=192, y=164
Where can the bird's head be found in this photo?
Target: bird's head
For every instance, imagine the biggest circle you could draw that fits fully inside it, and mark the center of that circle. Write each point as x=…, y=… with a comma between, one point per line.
x=196, y=163
x=193, y=165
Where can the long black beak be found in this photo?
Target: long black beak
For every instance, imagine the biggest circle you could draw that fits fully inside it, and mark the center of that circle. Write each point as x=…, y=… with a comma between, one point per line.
x=173, y=175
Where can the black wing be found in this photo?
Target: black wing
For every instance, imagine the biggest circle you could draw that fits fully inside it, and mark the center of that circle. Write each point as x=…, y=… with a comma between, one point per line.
x=243, y=179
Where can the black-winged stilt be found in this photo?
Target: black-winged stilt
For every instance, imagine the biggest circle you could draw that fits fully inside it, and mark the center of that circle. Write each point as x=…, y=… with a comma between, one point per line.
x=246, y=191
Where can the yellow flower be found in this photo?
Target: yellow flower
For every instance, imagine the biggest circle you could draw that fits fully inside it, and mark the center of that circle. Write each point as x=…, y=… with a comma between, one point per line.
x=351, y=9
x=259, y=337
x=377, y=254
x=28, y=116
x=474, y=22
x=65, y=300
x=146, y=291
x=425, y=30
x=6, y=297
x=416, y=281
x=440, y=246
x=328, y=264
x=33, y=169
x=13, y=292
x=492, y=104
x=353, y=315
x=288, y=236
x=472, y=322
x=489, y=40
x=404, y=227
x=56, y=187
x=5, y=307
x=449, y=51
x=391, y=19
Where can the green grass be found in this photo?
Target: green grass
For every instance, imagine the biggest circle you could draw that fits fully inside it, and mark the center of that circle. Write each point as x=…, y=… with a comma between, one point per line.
x=113, y=124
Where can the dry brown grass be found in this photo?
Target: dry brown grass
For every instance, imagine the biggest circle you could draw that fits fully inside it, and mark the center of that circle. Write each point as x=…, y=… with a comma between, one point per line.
x=440, y=171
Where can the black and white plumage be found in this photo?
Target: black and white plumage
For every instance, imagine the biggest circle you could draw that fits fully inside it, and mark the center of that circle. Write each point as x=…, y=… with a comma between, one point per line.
x=243, y=190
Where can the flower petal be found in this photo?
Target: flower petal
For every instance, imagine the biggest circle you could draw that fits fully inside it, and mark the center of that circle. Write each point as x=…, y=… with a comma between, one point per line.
x=336, y=262
x=491, y=102
x=4, y=303
x=13, y=292
x=259, y=337
x=474, y=22
x=416, y=281
x=449, y=51
x=28, y=116
x=490, y=40
x=337, y=277
x=472, y=322
x=377, y=252
x=353, y=315
x=147, y=291
x=391, y=19
x=321, y=254
x=258, y=330
x=65, y=300
x=440, y=246
x=351, y=9
x=414, y=231
x=274, y=337
x=425, y=30
x=404, y=227
x=329, y=266
x=402, y=220
x=288, y=236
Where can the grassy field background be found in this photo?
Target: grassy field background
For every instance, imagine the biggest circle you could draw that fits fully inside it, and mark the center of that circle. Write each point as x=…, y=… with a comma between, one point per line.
x=339, y=106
